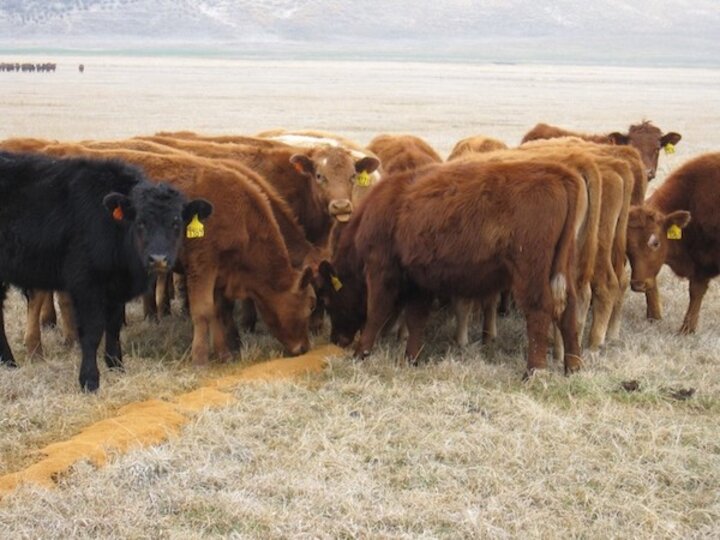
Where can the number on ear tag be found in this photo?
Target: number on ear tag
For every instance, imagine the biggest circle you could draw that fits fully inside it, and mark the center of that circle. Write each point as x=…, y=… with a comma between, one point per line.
x=195, y=229
x=674, y=232
x=363, y=179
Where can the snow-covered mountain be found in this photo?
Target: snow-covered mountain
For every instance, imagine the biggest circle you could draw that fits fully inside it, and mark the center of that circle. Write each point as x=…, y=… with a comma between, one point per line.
x=646, y=28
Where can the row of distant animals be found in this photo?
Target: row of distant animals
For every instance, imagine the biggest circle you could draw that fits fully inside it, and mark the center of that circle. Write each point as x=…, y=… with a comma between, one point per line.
x=295, y=223
x=27, y=66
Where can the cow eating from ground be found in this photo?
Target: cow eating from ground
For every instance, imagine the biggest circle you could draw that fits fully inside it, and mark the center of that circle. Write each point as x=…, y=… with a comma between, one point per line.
x=94, y=228
x=679, y=225
x=645, y=137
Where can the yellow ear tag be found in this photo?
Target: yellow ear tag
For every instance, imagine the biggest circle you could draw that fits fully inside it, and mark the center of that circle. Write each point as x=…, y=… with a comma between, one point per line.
x=669, y=148
x=336, y=283
x=195, y=229
x=674, y=232
x=363, y=179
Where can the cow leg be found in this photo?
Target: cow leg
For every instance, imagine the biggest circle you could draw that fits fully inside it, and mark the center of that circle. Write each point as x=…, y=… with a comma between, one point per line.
x=6, y=355
x=69, y=327
x=698, y=288
x=113, y=322
x=505, y=303
x=225, y=314
x=538, y=323
x=33, y=345
x=162, y=294
x=570, y=336
x=463, y=308
x=248, y=317
x=48, y=317
x=150, y=309
x=89, y=309
x=605, y=295
x=222, y=325
x=382, y=292
x=654, y=309
x=180, y=287
x=200, y=290
x=613, y=331
x=490, y=306
x=584, y=297
x=417, y=311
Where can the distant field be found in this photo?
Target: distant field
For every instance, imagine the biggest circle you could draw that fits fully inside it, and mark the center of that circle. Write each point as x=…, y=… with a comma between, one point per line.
x=458, y=447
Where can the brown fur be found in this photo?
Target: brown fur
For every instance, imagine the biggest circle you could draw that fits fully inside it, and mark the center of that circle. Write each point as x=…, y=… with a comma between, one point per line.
x=470, y=228
x=241, y=255
x=646, y=138
x=689, y=199
x=317, y=188
x=476, y=144
x=399, y=153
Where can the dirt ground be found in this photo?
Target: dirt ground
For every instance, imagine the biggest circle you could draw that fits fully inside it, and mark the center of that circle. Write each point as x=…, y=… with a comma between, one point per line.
x=458, y=447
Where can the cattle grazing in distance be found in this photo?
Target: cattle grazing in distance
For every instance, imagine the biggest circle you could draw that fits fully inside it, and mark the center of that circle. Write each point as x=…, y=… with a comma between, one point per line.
x=94, y=228
x=679, y=225
x=646, y=138
x=477, y=144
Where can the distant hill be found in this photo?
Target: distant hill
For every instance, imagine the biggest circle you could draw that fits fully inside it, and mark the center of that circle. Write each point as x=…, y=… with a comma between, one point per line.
x=655, y=31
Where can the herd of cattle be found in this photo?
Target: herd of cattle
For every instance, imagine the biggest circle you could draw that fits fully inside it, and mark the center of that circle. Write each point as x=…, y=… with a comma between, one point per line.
x=27, y=66
x=295, y=225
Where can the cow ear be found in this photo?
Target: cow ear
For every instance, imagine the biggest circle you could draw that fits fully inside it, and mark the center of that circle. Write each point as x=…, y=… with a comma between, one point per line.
x=618, y=138
x=303, y=164
x=199, y=207
x=368, y=164
x=679, y=218
x=119, y=206
x=670, y=138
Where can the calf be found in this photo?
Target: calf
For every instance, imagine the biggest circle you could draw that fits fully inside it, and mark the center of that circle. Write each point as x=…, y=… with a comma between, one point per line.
x=662, y=232
x=645, y=137
x=94, y=228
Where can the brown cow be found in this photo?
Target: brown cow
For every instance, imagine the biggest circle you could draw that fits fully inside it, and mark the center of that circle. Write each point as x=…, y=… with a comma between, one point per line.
x=477, y=144
x=645, y=137
x=317, y=183
x=400, y=153
x=469, y=228
x=662, y=232
x=242, y=253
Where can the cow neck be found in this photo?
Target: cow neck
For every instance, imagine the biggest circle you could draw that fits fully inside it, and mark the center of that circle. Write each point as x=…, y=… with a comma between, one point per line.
x=672, y=195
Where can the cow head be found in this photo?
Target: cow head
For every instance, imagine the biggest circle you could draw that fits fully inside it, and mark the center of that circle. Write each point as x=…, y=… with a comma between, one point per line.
x=649, y=235
x=344, y=298
x=287, y=313
x=648, y=140
x=157, y=216
x=334, y=172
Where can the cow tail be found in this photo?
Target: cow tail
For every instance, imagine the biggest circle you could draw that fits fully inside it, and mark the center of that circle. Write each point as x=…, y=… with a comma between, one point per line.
x=563, y=267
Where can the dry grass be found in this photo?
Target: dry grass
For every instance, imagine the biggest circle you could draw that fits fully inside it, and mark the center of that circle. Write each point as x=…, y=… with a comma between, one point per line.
x=458, y=447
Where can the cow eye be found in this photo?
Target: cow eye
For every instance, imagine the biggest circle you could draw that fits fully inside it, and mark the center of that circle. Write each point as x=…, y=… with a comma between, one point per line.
x=320, y=178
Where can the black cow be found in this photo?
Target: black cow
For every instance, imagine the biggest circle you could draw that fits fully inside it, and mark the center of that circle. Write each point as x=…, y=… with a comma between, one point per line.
x=95, y=228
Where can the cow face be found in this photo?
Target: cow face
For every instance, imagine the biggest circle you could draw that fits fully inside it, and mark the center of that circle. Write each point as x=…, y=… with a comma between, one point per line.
x=344, y=300
x=334, y=172
x=287, y=313
x=157, y=216
x=648, y=140
x=648, y=239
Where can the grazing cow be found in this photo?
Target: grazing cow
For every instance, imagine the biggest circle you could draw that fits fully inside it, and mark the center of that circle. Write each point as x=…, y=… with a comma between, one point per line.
x=662, y=232
x=317, y=183
x=470, y=228
x=94, y=228
x=477, y=144
x=241, y=254
x=645, y=137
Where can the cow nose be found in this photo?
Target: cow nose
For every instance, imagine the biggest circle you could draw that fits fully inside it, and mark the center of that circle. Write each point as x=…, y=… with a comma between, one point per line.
x=638, y=285
x=651, y=174
x=158, y=262
x=300, y=349
x=341, y=209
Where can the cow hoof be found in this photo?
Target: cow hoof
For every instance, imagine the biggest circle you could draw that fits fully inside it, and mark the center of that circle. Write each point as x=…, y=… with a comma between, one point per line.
x=90, y=386
x=8, y=363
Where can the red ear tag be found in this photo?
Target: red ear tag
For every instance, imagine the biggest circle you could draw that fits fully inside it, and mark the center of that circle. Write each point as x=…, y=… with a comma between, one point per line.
x=117, y=214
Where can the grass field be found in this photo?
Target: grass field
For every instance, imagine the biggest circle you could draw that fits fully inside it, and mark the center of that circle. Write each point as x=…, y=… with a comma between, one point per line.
x=457, y=447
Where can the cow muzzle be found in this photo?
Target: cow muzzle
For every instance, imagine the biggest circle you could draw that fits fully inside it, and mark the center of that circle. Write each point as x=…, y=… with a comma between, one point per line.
x=158, y=263
x=341, y=209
